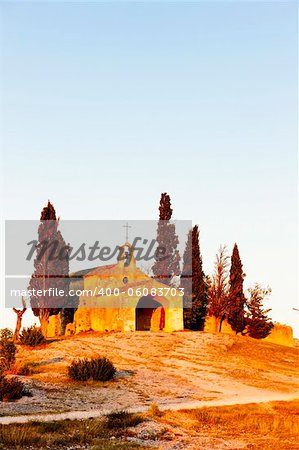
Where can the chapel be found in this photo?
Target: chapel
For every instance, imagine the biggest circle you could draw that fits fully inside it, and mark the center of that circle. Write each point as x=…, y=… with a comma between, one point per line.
x=121, y=297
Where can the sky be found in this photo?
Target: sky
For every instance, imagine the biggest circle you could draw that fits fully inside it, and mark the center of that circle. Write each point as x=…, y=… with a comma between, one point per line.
x=106, y=105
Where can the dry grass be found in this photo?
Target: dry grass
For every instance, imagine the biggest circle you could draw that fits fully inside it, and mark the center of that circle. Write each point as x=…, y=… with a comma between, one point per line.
x=250, y=418
x=17, y=436
x=60, y=434
x=269, y=426
x=112, y=445
x=261, y=426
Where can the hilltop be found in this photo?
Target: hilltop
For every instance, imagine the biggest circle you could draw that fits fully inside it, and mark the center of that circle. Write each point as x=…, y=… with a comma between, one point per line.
x=174, y=370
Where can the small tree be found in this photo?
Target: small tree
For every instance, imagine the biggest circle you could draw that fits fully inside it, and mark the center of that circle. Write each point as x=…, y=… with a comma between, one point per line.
x=196, y=292
x=258, y=324
x=219, y=287
x=51, y=269
x=236, y=300
x=19, y=313
x=167, y=255
x=7, y=350
x=6, y=334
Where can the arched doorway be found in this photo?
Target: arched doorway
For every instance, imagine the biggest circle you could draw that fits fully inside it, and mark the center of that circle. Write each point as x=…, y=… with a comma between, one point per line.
x=148, y=310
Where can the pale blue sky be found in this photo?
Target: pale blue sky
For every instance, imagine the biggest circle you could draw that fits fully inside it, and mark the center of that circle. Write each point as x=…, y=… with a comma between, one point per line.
x=106, y=105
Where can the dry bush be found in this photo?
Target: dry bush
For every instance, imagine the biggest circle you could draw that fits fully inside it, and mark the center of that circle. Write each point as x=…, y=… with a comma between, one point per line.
x=11, y=389
x=99, y=369
x=22, y=369
x=123, y=419
x=32, y=336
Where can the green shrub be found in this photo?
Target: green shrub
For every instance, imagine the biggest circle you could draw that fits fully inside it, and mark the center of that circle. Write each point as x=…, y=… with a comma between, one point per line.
x=32, y=336
x=11, y=389
x=122, y=419
x=7, y=350
x=99, y=369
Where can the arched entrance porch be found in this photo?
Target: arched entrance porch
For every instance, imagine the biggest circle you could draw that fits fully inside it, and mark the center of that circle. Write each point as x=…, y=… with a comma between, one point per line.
x=149, y=315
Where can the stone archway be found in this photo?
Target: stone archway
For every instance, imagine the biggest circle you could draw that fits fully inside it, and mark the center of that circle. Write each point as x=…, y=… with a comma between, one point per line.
x=149, y=315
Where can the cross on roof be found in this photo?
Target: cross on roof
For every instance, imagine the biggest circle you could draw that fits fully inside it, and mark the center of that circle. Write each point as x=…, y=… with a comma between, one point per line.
x=127, y=226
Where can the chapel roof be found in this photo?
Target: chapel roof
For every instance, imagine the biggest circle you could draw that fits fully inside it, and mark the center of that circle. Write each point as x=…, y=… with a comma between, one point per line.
x=116, y=270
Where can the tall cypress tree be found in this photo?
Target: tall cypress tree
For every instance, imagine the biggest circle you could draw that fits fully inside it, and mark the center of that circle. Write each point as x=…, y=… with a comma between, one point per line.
x=237, y=300
x=186, y=281
x=165, y=210
x=167, y=255
x=51, y=269
x=197, y=291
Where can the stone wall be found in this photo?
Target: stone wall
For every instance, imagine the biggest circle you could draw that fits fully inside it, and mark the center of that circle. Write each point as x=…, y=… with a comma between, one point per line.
x=117, y=313
x=104, y=319
x=280, y=334
x=212, y=326
x=120, y=319
x=53, y=329
x=108, y=319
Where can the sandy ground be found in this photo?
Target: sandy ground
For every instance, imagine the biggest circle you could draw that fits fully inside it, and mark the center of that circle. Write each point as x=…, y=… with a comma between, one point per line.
x=174, y=371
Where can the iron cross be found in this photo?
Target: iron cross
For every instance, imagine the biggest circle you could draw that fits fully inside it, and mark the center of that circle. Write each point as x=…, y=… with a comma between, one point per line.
x=127, y=226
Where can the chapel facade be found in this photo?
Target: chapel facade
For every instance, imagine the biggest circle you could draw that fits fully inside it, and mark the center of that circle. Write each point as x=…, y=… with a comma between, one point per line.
x=121, y=297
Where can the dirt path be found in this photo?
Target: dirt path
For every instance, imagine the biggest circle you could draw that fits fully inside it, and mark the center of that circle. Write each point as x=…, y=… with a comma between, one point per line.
x=75, y=415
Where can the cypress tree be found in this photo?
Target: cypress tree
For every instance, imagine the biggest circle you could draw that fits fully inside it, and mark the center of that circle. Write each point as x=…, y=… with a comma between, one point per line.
x=165, y=210
x=51, y=269
x=186, y=281
x=236, y=300
x=167, y=258
x=195, y=292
